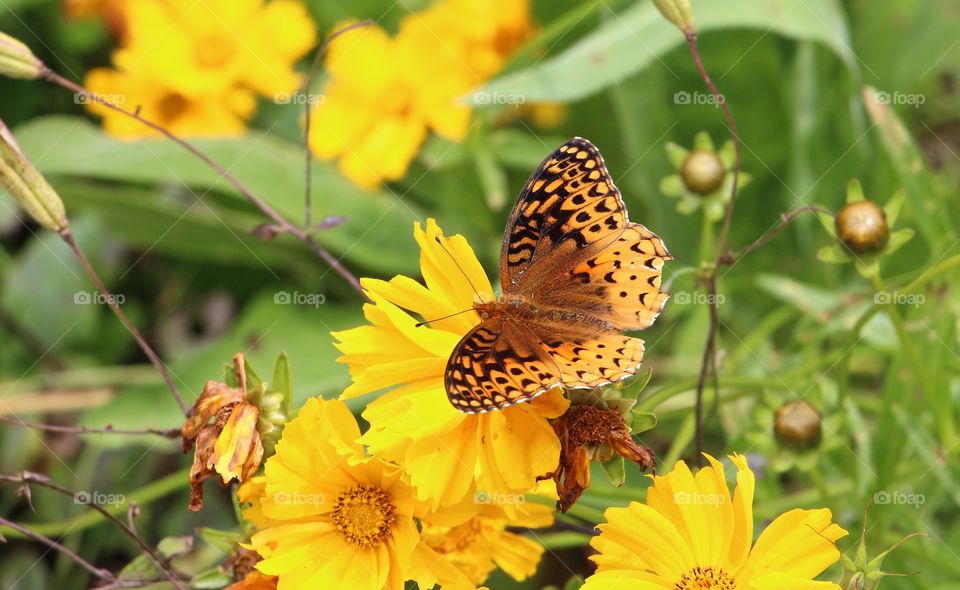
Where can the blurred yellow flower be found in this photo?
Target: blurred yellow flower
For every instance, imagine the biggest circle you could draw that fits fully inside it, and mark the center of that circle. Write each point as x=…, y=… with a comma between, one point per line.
x=387, y=93
x=333, y=517
x=447, y=454
x=197, y=67
x=483, y=543
x=691, y=534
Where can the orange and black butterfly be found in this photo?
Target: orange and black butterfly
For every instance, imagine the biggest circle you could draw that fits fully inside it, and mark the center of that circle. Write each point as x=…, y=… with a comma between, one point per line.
x=575, y=274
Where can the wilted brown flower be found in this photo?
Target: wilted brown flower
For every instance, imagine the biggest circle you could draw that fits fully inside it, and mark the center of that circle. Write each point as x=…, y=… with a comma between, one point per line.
x=223, y=426
x=586, y=432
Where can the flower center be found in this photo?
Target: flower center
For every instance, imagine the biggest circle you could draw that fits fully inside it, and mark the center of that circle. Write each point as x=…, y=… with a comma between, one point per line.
x=364, y=515
x=705, y=578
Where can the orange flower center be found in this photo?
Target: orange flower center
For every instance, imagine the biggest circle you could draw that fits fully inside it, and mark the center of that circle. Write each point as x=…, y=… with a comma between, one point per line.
x=705, y=578
x=364, y=515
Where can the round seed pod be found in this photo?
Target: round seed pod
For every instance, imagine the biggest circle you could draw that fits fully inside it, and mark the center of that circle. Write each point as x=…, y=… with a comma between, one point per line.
x=862, y=227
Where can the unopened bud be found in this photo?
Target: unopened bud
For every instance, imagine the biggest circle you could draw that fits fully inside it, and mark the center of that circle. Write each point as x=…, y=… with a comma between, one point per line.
x=28, y=186
x=862, y=226
x=678, y=12
x=797, y=424
x=16, y=59
x=702, y=172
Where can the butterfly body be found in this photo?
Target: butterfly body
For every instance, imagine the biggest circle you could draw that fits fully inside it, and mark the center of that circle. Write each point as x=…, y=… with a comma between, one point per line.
x=575, y=273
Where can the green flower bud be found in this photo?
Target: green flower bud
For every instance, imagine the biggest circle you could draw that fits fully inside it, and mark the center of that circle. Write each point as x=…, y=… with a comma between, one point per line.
x=273, y=417
x=28, y=186
x=797, y=425
x=16, y=59
x=702, y=172
x=678, y=12
x=862, y=226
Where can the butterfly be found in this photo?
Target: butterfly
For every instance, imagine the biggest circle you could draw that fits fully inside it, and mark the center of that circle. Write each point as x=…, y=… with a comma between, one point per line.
x=575, y=273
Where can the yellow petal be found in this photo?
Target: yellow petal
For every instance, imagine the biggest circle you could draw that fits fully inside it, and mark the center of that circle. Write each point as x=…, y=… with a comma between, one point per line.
x=797, y=543
x=643, y=535
x=238, y=450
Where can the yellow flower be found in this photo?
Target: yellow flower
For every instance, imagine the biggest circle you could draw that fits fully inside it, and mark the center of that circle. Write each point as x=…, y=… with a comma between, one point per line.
x=161, y=102
x=483, y=543
x=198, y=66
x=387, y=92
x=335, y=517
x=447, y=454
x=691, y=534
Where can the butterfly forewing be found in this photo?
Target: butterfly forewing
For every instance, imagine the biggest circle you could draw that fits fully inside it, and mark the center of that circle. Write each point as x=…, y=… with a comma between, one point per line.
x=569, y=203
x=497, y=364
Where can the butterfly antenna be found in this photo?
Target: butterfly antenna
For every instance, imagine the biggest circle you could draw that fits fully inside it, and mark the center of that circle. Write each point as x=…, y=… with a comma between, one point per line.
x=424, y=323
x=460, y=268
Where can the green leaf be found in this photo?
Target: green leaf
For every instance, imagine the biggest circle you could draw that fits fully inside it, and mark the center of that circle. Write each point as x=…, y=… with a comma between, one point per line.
x=892, y=208
x=226, y=541
x=834, y=254
x=677, y=154
x=636, y=38
x=271, y=167
x=521, y=150
x=898, y=239
x=283, y=380
x=616, y=471
x=854, y=191
x=643, y=421
x=212, y=578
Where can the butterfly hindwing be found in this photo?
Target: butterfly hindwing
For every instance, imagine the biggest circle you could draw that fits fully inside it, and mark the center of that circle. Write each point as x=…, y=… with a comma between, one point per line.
x=626, y=275
x=569, y=203
x=594, y=362
x=496, y=365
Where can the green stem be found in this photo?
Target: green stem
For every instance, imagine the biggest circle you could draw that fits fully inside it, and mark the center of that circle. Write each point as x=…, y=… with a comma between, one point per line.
x=706, y=237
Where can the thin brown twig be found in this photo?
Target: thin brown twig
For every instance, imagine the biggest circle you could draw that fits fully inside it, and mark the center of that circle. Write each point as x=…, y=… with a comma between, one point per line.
x=33, y=478
x=108, y=429
x=101, y=574
x=709, y=362
x=308, y=111
x=785, y=219
x=111, y=301
x=281, y=225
